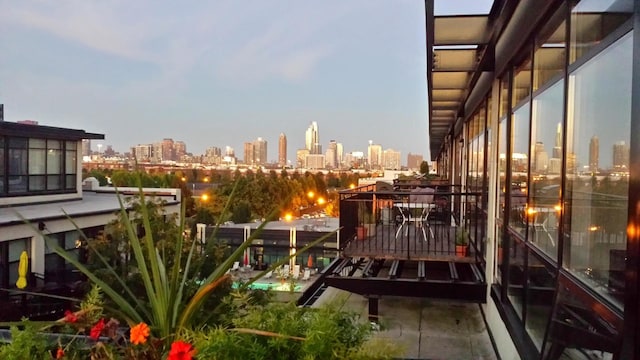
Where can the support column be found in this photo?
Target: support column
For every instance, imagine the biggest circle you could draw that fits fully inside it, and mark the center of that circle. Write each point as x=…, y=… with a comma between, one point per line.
x=292, y=247
x=373, y=308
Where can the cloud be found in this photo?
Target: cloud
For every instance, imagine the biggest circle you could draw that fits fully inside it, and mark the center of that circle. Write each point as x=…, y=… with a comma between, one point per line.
x=87, y=23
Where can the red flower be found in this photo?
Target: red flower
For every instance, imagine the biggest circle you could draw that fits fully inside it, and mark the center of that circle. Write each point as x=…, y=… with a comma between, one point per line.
x=96, y=330
x=181, y=350
x=70, y=317
x=59, y=353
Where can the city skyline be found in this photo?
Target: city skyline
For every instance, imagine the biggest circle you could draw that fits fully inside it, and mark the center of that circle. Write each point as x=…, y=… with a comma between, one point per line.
x=205, y=73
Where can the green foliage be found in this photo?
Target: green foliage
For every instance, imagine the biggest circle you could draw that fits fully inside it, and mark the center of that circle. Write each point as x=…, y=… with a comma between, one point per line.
x=26, y=343
x=462, y=236
x=424, y=167
x=285, y=331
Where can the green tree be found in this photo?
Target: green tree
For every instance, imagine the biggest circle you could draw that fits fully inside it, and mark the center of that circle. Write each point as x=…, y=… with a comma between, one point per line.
x=424, y=167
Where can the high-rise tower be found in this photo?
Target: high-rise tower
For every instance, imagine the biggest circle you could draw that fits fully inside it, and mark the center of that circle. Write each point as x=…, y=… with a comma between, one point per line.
x=594, y=154
x=312, y=139
x=260, y=151
x=282, y=150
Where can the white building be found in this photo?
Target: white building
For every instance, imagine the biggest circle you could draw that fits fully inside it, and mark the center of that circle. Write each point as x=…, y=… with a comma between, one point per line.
x=42, y=194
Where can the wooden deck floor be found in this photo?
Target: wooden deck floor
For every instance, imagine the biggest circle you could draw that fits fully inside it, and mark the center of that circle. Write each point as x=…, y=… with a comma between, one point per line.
x=411, y=241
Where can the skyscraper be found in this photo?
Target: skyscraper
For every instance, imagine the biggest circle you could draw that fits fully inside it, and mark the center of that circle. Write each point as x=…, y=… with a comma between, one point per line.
x=86, y=147
x=414, y=161
x=620, y=156
x=594, y=154
x=180, y=150
x=167, y=149
x=260, y=151
x=557, y=147
x=332, y=155
x=374, y=155
x=312, y=138
x=249, y=153
x=282, y=150
x=339, y=155
x=391, y=159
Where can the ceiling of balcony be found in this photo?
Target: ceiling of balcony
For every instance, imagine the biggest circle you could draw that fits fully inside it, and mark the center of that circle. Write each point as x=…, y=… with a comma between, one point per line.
x=454, y=48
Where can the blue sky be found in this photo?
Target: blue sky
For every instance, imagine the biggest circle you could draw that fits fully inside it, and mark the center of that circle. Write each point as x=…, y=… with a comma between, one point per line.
x=221, y=73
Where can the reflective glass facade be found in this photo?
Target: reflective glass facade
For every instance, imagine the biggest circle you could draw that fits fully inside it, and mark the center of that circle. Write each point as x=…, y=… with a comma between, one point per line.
x=560, y=160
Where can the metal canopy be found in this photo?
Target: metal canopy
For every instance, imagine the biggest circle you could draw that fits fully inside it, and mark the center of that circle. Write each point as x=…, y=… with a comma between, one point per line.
x=455, y=46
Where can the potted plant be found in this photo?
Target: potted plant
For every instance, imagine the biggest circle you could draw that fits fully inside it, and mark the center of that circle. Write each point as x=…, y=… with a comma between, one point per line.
x=462, y=242
x=366, y=221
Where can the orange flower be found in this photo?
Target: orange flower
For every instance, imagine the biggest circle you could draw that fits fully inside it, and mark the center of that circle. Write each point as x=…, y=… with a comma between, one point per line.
x=181, y=350
x=139, y=334
x=59, y=353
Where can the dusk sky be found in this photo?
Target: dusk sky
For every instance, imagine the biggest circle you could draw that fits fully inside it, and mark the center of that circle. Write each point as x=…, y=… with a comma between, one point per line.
x=221, y=73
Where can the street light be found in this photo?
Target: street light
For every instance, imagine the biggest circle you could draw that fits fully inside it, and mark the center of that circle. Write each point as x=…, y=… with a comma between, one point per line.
x=321, y=201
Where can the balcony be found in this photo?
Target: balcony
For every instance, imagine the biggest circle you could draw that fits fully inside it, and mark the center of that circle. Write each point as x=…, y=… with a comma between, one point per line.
x=421, y=240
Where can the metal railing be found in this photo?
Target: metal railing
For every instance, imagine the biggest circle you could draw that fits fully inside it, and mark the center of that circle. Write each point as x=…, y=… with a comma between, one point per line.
x=432, y=222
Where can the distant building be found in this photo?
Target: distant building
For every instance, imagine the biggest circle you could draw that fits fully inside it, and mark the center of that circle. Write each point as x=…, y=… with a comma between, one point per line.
x=28, y=122
x=374, y=155
x=282, y=150
x=620, y=156
x=143, y=152
x=249, y=153
x=312, y=139
x=86, y=147
x=213, y=155
x=260, y=151
x=414, y=161
x=301, y=157
x=391, y=159
x=594, y=154
x=339, y=155
x=332, y=155
x=180, y=150
x=168, y=153
x=315, y=161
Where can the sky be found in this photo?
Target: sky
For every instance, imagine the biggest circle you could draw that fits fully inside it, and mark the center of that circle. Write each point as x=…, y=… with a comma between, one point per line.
x=220, y=73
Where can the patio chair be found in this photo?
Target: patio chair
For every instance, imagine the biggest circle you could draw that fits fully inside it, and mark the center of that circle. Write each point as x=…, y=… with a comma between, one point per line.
x=306, y=275
x=286, y=270
x=268, y=275
x=296, y=272
x=236, y=266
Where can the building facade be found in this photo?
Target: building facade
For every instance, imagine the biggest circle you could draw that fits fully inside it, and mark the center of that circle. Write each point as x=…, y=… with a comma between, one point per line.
x=282, y=150
x=41, y=182
x=533, y=106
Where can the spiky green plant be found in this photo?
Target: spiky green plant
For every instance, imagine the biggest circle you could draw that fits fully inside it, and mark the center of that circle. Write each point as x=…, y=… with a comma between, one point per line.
x=167, y=310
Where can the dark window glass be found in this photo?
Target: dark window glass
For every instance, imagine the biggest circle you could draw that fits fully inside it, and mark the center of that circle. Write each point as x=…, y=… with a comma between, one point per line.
x=593, y=20
x=540, y=290
x=517, y=274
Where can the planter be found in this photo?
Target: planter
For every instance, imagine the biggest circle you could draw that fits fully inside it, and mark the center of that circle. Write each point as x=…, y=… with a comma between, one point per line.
x=461, y=250
x=361, y=232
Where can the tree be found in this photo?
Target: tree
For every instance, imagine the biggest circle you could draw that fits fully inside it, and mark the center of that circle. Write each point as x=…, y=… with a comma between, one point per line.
x=424, y=168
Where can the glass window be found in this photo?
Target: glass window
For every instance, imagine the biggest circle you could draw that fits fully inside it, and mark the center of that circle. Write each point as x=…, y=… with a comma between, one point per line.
x=593, y=20
x=3, y=179
x=546, y=165
x=70, y=161
x=519, y=167
x=549, y=57
x=598, y=130
x=521, y=84
x=18, y=161
x=37, y=161
x=517, y=274
x=54, y=161
x=540, y=290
